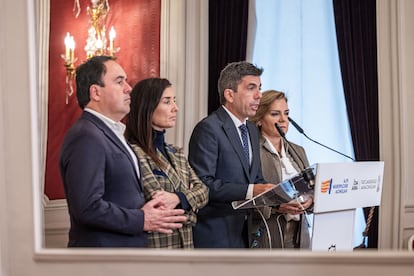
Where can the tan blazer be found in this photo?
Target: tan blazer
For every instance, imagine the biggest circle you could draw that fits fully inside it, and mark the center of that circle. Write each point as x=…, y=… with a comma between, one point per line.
x=272, y=173
x=271, y=167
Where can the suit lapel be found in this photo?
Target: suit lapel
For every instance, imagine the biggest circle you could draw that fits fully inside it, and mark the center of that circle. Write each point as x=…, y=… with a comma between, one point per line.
x=107, y=131
x=172, y=170
x=254, y=141
x=149, y=169
x=234, y=138
x=111, y=136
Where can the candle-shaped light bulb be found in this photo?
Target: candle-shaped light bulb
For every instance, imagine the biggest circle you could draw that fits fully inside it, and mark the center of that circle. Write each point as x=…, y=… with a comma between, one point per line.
x=99, y=43
x=67, y=46
x=112, y=35
x=72, y=49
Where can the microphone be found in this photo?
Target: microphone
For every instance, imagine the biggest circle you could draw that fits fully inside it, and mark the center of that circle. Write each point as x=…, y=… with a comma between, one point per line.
x=280, y=131
x=304, y=134
x=307, y=172
x=287, y=142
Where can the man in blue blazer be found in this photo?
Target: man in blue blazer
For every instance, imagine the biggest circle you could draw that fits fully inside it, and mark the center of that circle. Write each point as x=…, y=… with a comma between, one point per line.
x=227, y=160
x=100, y=172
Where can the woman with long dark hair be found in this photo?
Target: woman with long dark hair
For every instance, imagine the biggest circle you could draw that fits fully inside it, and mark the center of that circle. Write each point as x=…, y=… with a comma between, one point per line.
x=165, y=171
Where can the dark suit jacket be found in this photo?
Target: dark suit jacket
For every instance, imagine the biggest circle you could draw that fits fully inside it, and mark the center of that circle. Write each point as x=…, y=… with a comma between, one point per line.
x=101, y=186
x=216, y=154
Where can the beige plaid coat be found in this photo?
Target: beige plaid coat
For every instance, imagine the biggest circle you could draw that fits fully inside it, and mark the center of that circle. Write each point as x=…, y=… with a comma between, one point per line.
x=177, y=177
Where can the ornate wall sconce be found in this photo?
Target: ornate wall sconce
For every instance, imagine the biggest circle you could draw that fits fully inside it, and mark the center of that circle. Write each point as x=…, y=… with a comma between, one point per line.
x=96, y=43
x=69, y=58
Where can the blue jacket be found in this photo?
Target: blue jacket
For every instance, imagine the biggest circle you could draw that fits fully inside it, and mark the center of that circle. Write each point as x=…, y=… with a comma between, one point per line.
x=102, y=189
x=216, y=155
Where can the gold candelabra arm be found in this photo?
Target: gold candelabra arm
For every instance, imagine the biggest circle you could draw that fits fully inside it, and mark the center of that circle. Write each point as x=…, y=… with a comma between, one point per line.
x=70, y=74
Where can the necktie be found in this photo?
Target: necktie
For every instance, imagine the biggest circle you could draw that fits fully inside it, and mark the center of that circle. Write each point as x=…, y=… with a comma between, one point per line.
x=243, y=130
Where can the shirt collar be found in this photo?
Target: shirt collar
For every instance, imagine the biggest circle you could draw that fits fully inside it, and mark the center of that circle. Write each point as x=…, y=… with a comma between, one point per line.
x=117, y=127
x=272, y=149
x=287, y=167
x=235, y=120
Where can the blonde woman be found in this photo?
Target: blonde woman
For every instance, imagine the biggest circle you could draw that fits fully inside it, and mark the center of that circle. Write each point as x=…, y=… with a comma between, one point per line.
x=280, y=161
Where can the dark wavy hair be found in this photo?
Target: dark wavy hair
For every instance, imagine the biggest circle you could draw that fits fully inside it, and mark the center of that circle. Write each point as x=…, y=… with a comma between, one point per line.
x=145, y=97
x=232, y=74
x=88, y=73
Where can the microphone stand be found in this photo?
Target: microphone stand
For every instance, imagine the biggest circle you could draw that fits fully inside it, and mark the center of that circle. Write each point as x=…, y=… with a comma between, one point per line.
x=282, y=134
x=307, y=172
x=302, y=132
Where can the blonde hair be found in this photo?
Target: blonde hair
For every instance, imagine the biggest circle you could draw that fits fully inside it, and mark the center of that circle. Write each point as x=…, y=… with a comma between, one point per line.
x=268, y=97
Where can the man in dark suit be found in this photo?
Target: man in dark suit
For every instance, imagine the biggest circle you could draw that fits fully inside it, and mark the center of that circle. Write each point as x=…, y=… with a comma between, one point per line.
x=227, y=159
x=100, y=172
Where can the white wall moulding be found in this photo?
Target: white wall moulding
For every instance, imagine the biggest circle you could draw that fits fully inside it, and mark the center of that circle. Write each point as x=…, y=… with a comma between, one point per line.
x=22, y=219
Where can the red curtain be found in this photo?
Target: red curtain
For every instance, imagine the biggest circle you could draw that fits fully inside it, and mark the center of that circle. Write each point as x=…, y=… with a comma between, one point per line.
x=137, y=25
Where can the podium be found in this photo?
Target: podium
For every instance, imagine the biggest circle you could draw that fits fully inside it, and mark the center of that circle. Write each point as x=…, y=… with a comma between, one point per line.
x=338, y=190
x=341, y=188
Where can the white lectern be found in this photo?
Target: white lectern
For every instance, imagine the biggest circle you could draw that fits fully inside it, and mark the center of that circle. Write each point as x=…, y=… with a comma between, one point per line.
x=341, y=188
x=338, y=190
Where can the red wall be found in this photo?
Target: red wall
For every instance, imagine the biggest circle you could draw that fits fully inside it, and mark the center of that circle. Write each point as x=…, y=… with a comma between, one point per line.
x=137, y=25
